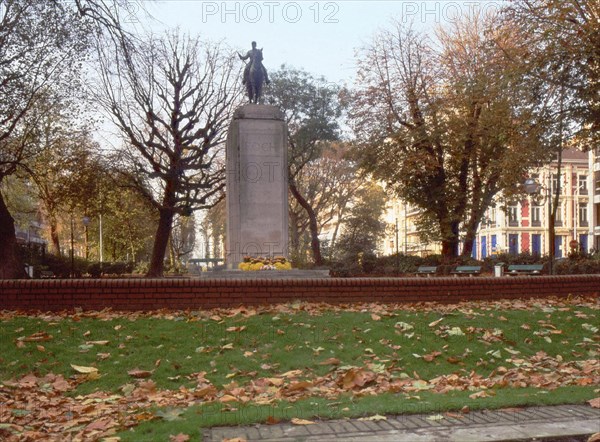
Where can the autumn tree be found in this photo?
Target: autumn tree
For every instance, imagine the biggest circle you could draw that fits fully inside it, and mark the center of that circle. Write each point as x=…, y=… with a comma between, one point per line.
x=560, y=43
x=362, y=228
x=446, y=128
x=312, y=108
x=172, y=98
x=329, y=185
x=42, y=45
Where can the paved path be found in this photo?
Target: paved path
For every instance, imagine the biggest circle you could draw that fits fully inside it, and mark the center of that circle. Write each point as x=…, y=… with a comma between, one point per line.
x=563, y=422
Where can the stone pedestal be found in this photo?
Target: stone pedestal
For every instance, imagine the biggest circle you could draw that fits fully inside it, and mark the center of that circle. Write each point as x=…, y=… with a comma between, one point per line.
x=257, y=189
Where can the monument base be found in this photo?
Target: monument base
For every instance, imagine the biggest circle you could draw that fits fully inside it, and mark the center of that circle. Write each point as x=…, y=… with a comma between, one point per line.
x=257, y=185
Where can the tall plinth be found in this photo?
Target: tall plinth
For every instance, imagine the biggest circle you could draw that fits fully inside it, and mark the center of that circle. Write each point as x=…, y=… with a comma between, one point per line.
x=257, y=189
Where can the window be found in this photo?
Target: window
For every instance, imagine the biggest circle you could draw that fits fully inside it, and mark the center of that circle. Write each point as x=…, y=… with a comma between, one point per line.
x=558, y=221
x=582, y=184
x=554, y=184
x=513, y=215
x=536, y=216
x=583, y=215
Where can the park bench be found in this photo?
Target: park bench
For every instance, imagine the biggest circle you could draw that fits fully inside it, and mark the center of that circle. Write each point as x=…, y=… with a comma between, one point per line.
x=467, y=271
x=426, y=271
x=525, y=269
x=45, y=274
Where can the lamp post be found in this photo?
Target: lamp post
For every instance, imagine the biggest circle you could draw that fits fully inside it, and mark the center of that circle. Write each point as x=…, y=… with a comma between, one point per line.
x=532, y=187
x=397, y=251
x=72, y=254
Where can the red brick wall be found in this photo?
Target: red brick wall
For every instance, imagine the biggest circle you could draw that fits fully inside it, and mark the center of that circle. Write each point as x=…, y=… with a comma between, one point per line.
x=149, y=294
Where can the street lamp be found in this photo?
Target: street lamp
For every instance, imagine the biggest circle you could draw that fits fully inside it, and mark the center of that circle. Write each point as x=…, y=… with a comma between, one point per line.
x=532, y=187
x=72, y=254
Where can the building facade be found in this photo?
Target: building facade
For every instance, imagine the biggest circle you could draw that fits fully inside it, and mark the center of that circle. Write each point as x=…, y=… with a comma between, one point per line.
x=594, y=206
x=523, y=226
x=402, y=234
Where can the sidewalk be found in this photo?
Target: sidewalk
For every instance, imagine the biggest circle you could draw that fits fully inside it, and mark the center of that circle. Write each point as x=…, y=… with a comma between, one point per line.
x=564, y=422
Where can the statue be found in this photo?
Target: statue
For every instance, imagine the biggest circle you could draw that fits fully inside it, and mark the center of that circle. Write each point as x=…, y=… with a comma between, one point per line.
x=254, y=74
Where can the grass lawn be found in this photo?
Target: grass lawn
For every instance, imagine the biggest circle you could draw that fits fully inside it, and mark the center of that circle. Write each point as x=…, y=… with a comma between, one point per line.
x=150, y=376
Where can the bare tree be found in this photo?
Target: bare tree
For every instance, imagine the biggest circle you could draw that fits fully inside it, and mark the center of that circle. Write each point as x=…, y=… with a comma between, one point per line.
x=172, y=98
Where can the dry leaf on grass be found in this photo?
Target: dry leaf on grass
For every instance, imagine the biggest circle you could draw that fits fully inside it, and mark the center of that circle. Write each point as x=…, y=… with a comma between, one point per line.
x=595, y=403
x=139, y=374
x=84, y=370
x=297, y=421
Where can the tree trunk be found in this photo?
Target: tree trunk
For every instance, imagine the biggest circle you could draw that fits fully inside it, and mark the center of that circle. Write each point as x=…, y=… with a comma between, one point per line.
x=11, y=266
x=450, y=242
x=315, y=244
x=54, y=234
x=294, y=237
x=161, y=239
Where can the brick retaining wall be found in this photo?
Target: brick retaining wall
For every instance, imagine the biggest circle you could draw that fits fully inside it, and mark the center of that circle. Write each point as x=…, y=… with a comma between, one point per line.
x=183, y=293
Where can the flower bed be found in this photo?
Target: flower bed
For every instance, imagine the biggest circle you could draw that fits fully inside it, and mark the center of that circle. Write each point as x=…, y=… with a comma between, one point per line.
x=254, y=264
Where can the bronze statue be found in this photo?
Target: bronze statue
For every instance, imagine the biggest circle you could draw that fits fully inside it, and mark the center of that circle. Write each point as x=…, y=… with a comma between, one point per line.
x=254, y=74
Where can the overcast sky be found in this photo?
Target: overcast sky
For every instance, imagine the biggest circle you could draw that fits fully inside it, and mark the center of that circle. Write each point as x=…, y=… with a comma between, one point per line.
x=317, y=36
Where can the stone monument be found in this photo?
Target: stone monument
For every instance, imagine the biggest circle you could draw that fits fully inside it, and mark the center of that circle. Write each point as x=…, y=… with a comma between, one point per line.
x=257, y=184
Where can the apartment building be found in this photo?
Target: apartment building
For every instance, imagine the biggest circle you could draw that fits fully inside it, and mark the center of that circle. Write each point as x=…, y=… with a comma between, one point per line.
x=594, y=205
x=402, y=234
x=524, y=226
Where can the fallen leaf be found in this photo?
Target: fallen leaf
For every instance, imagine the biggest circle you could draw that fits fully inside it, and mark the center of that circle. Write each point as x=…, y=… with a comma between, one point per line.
x=375, y=417
x=37, y=337
x=139, y=374
x=271, y=420
x=330, y=361
x=297, y=421
x=375, y=317
x=595, y=403
x=431, y=356
x=84, y=370
x=101, y=425
x=479, y=394
x=235, y=439
x=179, y=438
x=435, y=417
x=236, y=329
x=170, y=414
x=41, y=348
x=455, y=331
x=594, y=438
x=434, y=323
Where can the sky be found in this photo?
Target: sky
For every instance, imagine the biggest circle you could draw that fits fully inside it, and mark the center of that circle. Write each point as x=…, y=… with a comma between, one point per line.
x=318, y=36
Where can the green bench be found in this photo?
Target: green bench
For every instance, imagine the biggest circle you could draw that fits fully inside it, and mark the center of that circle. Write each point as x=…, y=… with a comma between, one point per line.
x=467, y=271
x=426, y=271
x=525, y=269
